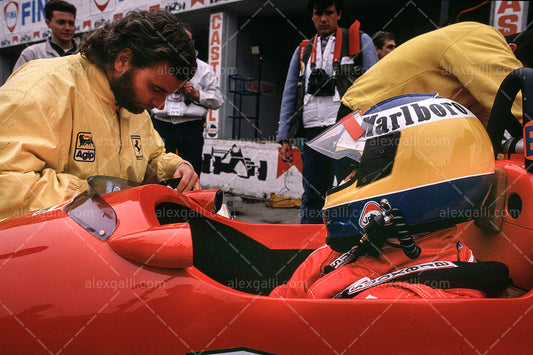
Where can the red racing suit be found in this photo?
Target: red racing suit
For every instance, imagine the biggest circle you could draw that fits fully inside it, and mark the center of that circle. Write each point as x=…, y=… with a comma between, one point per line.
x=308, y=282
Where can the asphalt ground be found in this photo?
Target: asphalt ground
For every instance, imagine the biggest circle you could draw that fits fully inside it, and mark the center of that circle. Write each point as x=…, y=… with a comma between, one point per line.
x=255, y=211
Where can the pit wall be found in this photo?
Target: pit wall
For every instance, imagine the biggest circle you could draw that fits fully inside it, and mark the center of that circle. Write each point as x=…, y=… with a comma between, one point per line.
x=251, y=169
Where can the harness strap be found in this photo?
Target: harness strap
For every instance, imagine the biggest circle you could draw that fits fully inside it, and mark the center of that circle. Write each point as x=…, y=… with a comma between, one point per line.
x=490, y=277
x=336, y=53
x=302, y=49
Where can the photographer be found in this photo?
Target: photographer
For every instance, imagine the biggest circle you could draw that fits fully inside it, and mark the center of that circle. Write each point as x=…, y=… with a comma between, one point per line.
x=311, y=97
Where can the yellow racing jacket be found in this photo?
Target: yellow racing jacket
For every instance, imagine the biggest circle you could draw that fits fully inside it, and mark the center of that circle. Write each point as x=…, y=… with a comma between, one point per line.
x=465, y=62
x=59, y=125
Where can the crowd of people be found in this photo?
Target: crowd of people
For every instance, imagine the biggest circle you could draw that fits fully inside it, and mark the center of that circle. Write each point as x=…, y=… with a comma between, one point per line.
x=130, y=101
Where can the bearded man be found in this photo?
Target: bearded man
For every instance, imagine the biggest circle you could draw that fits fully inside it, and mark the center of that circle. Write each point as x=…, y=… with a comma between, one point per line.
x=65, y=119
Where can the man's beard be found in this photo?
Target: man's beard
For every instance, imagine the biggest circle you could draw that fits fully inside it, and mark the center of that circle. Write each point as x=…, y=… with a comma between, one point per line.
x=124, y=94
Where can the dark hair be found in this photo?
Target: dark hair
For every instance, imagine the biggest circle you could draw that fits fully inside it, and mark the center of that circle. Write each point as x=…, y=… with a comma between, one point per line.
x=524, y=46
x=380, y=37
x=58, y=5
x=152, y=36
x=187, y=26
x=321, y=5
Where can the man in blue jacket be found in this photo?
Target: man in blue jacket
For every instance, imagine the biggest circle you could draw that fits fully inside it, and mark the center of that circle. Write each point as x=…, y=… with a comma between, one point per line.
x=319, y=74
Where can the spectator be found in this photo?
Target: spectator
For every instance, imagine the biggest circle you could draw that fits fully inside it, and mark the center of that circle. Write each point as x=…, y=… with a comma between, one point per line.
x=465, y=62
x=384, y=43
x=59, y=17
x=311, y=100
x=181, y=122
x=68, y=118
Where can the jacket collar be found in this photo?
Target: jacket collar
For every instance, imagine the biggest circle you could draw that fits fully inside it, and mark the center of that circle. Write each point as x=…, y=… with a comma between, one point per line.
x=99, y=81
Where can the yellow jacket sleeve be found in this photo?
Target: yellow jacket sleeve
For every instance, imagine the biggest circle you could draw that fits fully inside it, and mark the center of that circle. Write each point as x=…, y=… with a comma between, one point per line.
x=29, y=159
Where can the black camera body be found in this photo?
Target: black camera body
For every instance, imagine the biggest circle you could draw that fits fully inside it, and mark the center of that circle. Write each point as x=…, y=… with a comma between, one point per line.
x=320, y=83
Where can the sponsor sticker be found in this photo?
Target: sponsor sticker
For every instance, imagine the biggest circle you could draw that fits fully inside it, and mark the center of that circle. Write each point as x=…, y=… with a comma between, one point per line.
x=409, y=115
x=176, y=96
x=371, y=209
x=85, y=149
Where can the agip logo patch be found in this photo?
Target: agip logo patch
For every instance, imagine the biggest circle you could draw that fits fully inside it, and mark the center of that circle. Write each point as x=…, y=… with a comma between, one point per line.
x=85, y=149
x=137, y=146
x=371, y=209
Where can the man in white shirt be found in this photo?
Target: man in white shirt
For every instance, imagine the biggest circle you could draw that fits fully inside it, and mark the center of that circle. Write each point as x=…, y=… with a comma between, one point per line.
x=181, y=122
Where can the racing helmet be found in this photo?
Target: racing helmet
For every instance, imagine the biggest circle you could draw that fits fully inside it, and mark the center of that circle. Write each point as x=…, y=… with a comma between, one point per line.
x=428, y=156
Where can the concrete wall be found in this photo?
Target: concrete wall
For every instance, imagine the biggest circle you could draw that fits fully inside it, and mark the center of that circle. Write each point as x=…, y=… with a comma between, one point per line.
x=249, y=168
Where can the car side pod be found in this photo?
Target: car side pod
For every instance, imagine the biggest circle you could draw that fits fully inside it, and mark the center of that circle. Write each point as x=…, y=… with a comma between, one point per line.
x=166, y=247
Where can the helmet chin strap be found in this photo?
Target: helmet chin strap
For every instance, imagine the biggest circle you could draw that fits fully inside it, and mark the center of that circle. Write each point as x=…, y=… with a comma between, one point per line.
x=389, y=223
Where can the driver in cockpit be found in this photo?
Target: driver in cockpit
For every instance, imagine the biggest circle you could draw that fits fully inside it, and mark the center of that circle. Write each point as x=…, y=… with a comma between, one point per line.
x=423, y=164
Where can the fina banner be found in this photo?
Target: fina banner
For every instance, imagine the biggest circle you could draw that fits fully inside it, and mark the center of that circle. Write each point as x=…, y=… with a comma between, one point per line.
x=23, y=21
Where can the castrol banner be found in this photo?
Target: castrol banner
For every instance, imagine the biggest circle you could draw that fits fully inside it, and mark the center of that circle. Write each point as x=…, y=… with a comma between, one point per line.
x=509, y=17
x=23, y=21
x=215, y=57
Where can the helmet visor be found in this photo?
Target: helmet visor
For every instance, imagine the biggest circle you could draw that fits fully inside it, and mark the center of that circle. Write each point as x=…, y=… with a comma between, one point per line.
x=345, y=139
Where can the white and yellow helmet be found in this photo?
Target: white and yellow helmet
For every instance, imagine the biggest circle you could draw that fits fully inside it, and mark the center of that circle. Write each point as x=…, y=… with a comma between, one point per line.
x=428, y=156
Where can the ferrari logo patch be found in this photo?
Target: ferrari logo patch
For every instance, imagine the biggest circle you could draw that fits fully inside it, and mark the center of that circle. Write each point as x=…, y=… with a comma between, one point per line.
x=85, y=150
x=137, y=147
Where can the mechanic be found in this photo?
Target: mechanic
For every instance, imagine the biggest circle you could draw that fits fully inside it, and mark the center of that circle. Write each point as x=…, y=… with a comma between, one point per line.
x=311, y=98
x=60, y=18
x=65, y=119
x=465, y=62
x=391, y=228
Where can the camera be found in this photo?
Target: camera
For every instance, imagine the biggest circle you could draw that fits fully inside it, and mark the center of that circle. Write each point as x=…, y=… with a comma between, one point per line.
x=320, y=83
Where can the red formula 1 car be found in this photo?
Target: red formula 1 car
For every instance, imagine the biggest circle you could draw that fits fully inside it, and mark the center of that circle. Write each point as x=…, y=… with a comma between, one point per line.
x=145, y=269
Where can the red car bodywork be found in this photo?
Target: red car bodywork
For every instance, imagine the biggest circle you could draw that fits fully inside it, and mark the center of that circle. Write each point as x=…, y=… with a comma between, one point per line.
x=175, y=277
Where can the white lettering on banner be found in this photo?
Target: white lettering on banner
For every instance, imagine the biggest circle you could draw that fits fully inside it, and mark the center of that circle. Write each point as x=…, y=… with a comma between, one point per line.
x=508, y=16
x=215, y=50
x=410, y=115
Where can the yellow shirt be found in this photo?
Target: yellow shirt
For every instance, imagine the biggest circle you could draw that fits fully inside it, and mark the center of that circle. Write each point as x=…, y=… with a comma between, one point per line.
x=59, y=126
x=465, y=62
